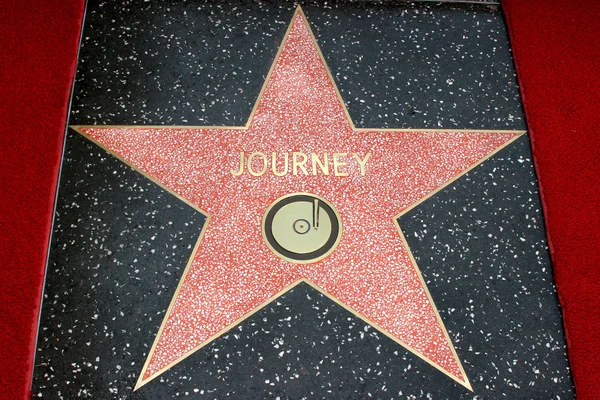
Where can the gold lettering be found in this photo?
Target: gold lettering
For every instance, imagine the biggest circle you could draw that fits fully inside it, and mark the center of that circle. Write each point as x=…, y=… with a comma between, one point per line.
x=320, y=165
x=323, y=165
x=274, y=164
x=264, y=167
x=241, y=171
x=362, y=163
x=337, y=163
x=299, y=164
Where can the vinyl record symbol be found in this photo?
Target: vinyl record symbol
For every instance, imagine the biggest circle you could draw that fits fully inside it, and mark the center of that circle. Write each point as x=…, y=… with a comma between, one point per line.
x=301, y=228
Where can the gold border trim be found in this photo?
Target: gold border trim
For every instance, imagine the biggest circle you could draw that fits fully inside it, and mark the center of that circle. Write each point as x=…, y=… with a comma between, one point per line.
x=141, y=382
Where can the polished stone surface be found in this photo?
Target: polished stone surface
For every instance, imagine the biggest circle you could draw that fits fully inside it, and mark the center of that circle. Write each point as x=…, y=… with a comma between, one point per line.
x=120, y=243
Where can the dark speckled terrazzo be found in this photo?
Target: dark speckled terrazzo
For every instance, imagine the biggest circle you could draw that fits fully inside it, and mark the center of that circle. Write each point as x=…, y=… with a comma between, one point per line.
x=120, y=243
x=481, y=247
x=420, y=66
x=434, y=66
x=119, y=247
x=175, y=63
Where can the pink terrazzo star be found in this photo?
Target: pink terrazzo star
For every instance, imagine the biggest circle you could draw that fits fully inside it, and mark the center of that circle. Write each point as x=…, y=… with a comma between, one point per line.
x=232, y=272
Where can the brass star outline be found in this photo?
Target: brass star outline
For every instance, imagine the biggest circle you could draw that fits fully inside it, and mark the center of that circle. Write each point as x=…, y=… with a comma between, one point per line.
x=81, y=129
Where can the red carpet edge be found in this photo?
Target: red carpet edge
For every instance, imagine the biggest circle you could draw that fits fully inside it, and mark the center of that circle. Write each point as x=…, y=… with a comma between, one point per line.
x=556, y=46
x=38, y=53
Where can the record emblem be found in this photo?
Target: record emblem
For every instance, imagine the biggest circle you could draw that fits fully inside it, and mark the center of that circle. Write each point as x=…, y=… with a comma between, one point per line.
x=301, y=228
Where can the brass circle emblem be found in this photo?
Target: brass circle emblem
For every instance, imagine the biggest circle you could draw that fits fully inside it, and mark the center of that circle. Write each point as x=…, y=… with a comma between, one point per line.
x=301, y=228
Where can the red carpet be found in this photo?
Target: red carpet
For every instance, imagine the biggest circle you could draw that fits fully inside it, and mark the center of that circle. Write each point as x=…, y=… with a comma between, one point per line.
x=38, y=49
x=556, y=47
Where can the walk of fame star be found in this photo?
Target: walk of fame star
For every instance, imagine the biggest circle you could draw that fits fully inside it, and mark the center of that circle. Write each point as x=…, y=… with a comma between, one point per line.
x=325, y=215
